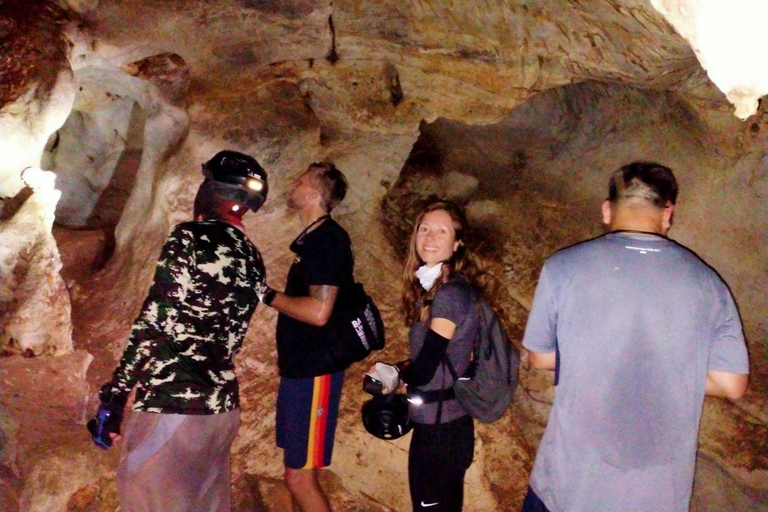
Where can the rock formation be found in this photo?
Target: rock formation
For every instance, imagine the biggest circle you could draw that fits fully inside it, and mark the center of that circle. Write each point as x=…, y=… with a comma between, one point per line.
x=36, y=313
x=727, y=39
x=517, y=110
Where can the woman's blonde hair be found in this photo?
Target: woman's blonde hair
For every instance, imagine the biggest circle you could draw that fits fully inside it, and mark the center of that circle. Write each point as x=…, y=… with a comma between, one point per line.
x=415, y=302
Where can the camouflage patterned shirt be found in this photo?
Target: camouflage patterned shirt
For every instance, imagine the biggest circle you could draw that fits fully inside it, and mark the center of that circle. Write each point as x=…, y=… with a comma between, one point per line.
x=181, y=351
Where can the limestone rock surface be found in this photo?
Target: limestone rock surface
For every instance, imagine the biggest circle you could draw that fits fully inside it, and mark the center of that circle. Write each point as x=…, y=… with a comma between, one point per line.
x=115, y=119
x=37, y=89
x=47, y=465
x=35, y=310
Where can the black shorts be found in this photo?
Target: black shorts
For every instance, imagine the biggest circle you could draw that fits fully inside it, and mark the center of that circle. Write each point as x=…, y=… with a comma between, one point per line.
x=437, y=461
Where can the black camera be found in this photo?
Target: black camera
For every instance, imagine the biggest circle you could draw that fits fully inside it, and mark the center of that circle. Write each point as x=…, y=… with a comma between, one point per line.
x=372, y=386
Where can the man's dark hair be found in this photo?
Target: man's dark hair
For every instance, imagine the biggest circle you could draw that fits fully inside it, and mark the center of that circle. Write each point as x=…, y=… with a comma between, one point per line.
x=330, y=182
x=645, y=181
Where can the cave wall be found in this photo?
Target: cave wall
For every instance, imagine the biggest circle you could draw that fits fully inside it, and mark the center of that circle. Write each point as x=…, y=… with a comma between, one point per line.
x=541, y=173
x=481, y=88
x=534, y=182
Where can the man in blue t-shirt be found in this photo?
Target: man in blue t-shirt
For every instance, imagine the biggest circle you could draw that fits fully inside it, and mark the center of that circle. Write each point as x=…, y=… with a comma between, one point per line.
x=638, y=329
x=310, y=380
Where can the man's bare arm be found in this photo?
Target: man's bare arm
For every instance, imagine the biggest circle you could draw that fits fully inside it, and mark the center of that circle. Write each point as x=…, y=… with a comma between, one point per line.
x=542, y=360
x=726, y=385
x=314, y=310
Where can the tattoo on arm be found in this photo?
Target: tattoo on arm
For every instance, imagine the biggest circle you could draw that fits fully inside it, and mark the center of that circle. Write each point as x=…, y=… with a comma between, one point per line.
x=324, y=293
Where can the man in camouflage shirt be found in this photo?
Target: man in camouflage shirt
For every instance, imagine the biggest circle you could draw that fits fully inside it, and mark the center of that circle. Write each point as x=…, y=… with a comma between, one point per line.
x=180, y=354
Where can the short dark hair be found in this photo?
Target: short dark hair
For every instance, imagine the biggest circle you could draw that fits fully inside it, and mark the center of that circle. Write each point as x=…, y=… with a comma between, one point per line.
x=331, y=183
x=645, y=181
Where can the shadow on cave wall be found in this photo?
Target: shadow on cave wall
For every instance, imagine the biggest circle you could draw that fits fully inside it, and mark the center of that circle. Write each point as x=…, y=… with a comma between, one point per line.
x=95, y=155
x=533, y=183
x=111, y=203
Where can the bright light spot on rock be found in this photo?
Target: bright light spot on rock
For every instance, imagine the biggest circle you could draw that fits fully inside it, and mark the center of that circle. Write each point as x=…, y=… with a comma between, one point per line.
x=38, y=179
x=729, y=40
x=732, y=43
x=45, y=195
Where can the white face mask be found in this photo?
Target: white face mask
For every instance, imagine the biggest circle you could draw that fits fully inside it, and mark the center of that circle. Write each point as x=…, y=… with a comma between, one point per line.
x=428, y=275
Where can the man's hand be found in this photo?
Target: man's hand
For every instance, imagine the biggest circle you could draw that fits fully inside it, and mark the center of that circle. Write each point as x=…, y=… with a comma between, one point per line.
x=105, y=427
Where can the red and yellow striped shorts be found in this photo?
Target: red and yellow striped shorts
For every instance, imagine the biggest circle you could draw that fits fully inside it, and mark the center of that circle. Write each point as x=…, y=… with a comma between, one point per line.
x=307, y=410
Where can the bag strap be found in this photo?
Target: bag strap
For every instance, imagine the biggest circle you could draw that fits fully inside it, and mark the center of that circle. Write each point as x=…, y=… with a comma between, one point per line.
x=477, y=304
x=480, y=323
x=440, y=400
x=433, y=396
x=300, y=239
x=449, y=393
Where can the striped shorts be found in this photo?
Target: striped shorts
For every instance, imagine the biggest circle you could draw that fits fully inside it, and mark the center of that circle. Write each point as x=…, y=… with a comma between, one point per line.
x=307, y=410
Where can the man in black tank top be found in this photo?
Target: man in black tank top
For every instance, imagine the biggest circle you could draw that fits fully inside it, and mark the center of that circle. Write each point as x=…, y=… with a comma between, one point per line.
x=310, y=381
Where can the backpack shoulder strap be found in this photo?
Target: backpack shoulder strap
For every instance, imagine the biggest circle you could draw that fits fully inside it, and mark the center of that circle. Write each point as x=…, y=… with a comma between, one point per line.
x=449, y=365
x=477, y=308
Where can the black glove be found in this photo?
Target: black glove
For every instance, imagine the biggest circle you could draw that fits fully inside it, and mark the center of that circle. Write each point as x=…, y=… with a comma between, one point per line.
x=108, y=419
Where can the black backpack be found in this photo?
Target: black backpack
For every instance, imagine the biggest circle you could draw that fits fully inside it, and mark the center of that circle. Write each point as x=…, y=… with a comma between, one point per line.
x=487, y=387
x=355, y=328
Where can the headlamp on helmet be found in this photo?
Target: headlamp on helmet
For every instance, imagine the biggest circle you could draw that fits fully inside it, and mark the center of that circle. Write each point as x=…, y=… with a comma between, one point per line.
x=238, y=177
x=255, y=184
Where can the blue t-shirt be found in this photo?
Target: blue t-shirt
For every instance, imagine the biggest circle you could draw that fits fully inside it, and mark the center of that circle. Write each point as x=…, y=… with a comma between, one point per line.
x=638, y=321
